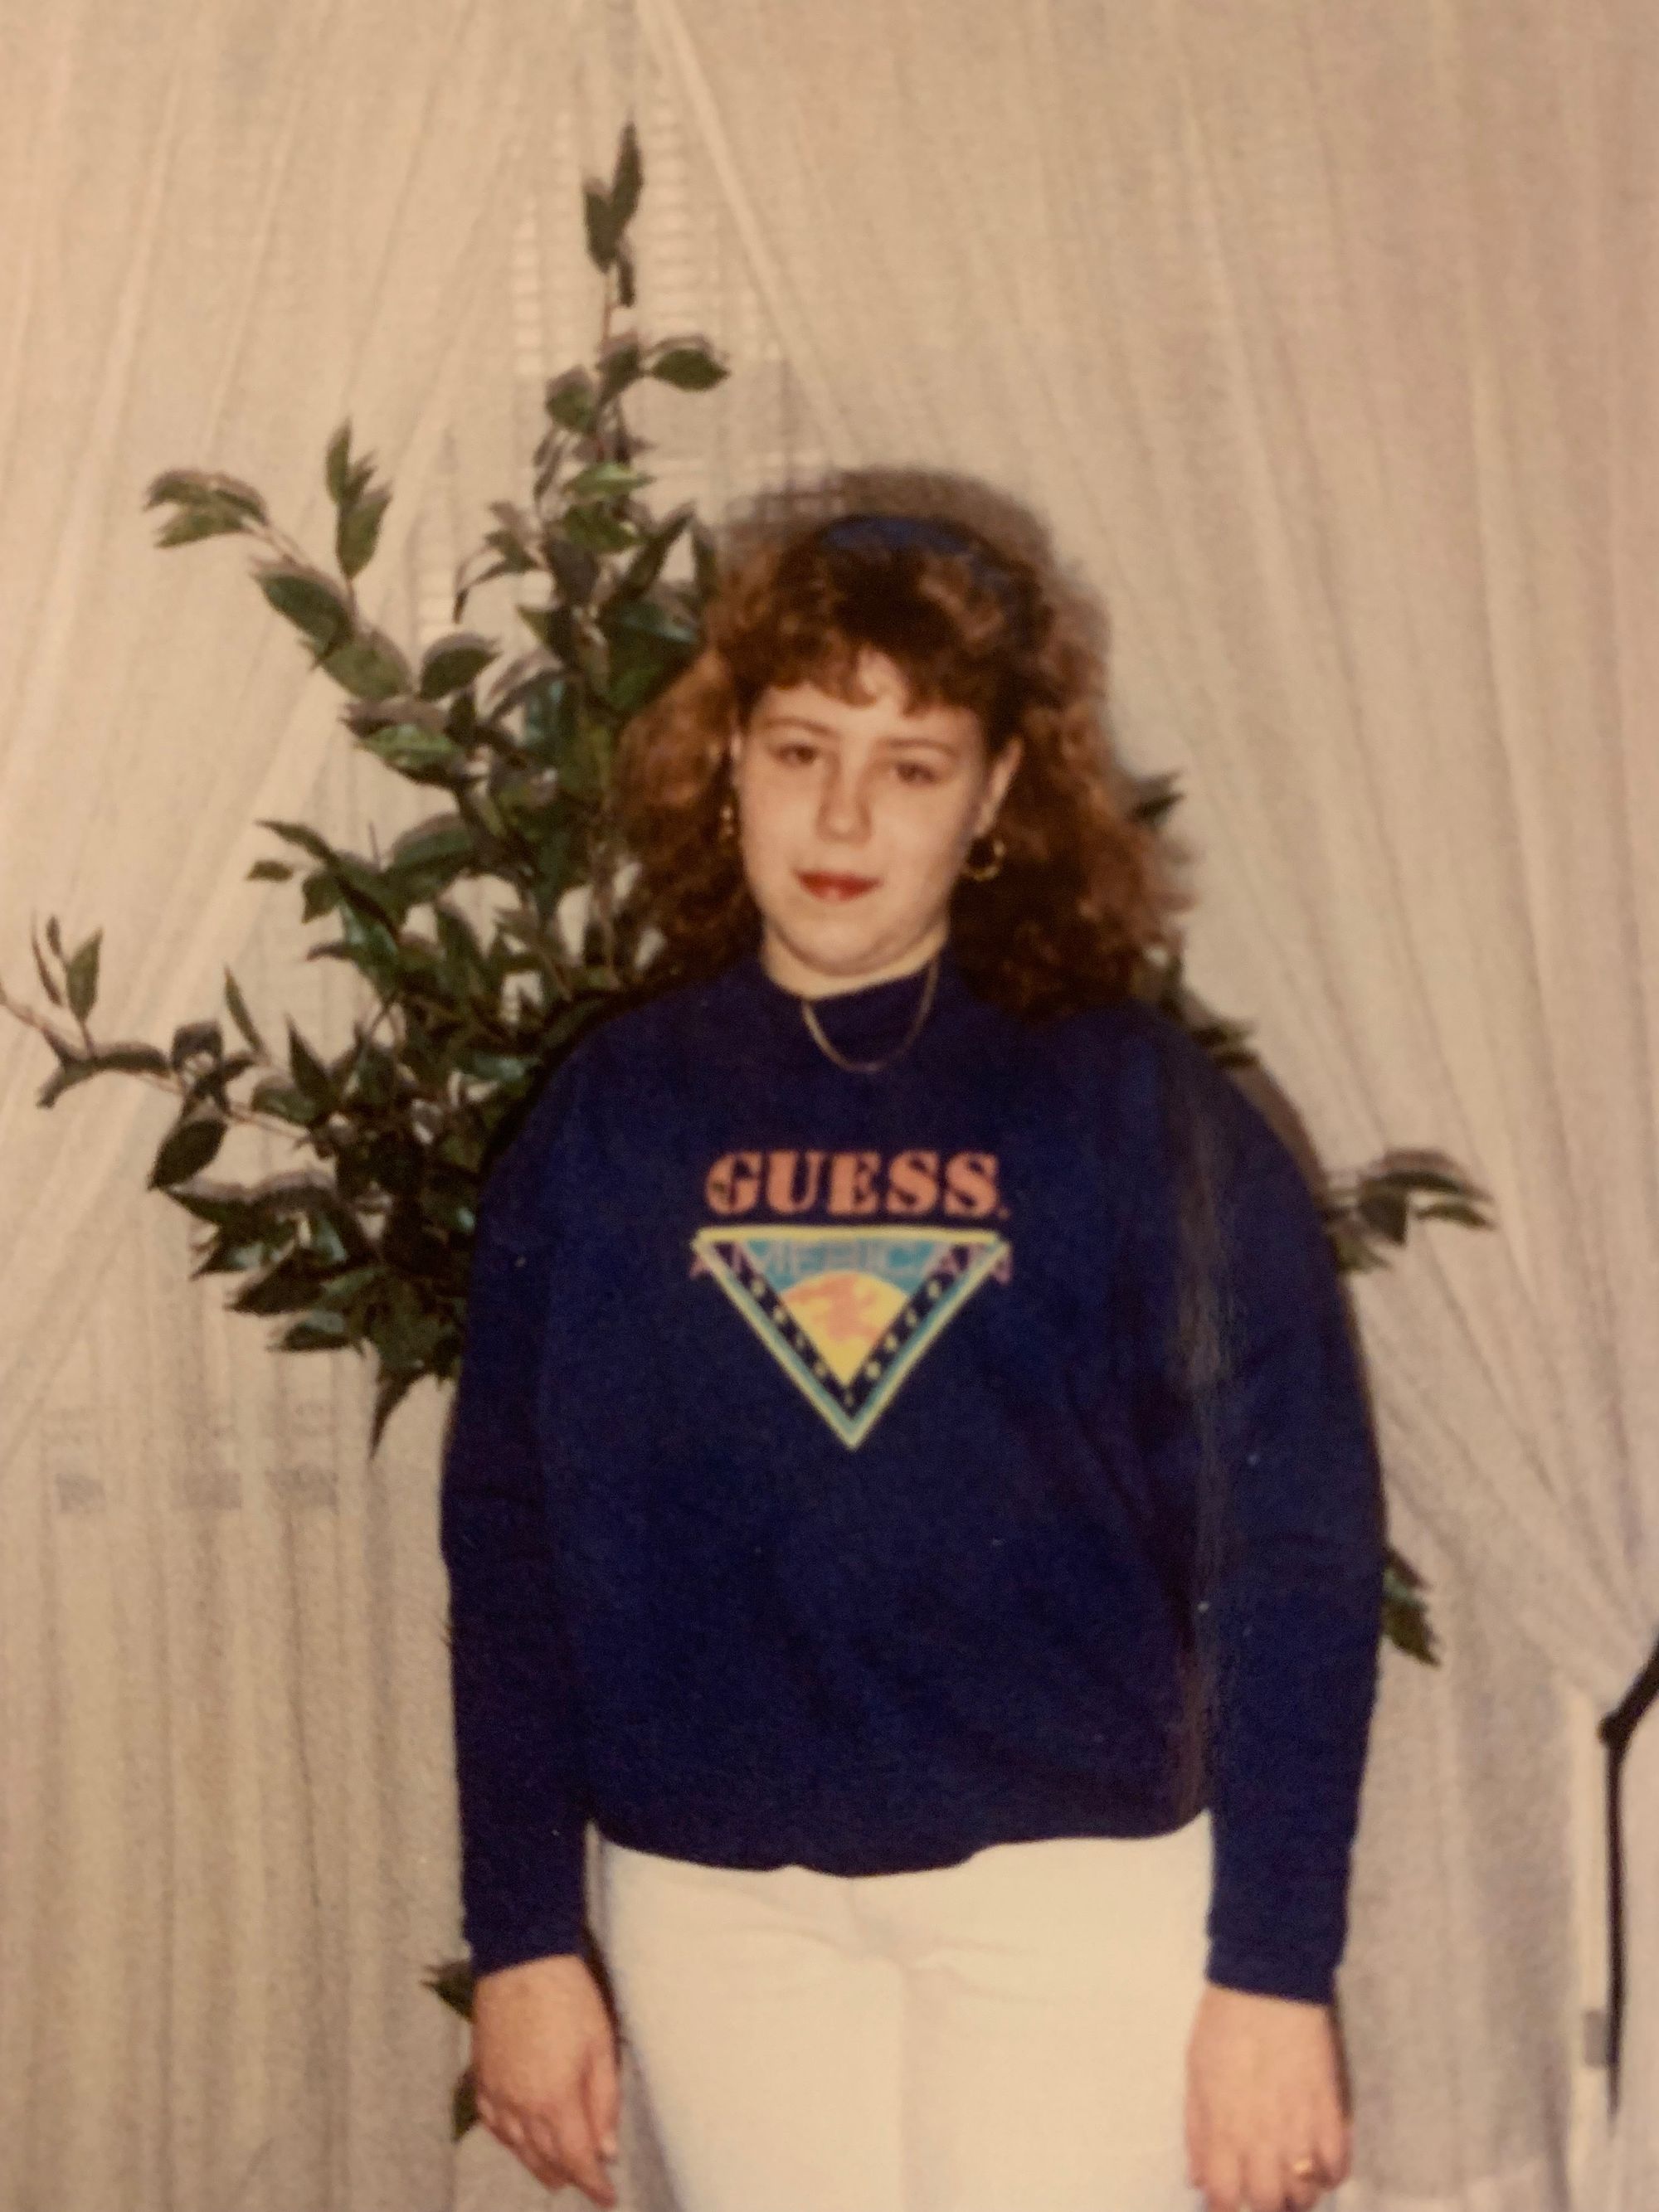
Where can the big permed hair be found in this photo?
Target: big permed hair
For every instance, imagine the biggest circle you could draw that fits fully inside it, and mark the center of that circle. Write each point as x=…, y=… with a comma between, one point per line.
x=1086, y=890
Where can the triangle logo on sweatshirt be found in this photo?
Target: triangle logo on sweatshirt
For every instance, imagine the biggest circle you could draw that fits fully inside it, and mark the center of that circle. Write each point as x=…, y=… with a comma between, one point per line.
x=847, y=1313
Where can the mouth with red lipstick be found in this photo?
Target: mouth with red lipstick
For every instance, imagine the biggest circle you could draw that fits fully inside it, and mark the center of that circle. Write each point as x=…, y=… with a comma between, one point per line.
x=825, y=884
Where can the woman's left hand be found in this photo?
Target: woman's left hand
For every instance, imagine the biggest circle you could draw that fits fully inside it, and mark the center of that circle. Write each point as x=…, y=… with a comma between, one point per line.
x=1264, y=2090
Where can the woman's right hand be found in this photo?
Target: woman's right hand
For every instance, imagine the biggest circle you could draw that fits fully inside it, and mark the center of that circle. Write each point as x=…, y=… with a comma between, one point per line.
x=544, y=2070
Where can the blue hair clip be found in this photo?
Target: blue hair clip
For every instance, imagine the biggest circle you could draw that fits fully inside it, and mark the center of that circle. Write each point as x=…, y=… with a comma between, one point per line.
x=883, y=533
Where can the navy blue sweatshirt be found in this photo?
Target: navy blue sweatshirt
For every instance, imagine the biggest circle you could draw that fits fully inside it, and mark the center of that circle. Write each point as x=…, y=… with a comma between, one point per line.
x=827, y=1480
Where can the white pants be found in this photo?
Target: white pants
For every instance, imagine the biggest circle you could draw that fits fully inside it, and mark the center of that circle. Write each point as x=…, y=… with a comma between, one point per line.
x=1004, y=2035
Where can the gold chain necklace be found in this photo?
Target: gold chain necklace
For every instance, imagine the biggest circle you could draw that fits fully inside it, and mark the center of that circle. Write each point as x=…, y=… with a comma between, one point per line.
x=869, y=1066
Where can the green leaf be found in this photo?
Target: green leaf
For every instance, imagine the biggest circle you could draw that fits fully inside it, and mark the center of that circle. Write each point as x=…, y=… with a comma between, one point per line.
x=231, y=491
x=392, y=1388
x=188, y=487
x=185, y=1152
x=650, y=644
x=601, y=225
x=570, y=400
x=341, y=1292
x=214, y=1081
x=463, y=2105
x=574, y=569
x=53, y=936
x=1416, y=1174
x=322, y=893
x=454, y=662
x=205, y=492
x=310, y=600
x=688, y=368
x=64, y=1077
x=130, y=1060
x=368, y=665
x=425, y=756
x=374, y=1077
x=195, y=1041
x=337, y=465
x=621, y=365
x=646, y=565
x=231, y=1253
x=444, y=846
x=80, y=977
x=241, y=1016
x=453, y=1982
x=1387, y=1212
x=269, y=872
x=1156, y=796
x=311, y=1078
x=370, y=946
x=625, y=280
x=273, y=1095
x=298, y=833
x=318, y=1331
x=1405, y=1616
x=599, y=530
x=358, y=531
x=628, y=178
x=237, y=1213
x=459, y=941
x=705, y=561
x=197, y=522
x=605, y=480
x=550, y=719
x=1454, y=1209
x=289, y=1287
x=47, y=984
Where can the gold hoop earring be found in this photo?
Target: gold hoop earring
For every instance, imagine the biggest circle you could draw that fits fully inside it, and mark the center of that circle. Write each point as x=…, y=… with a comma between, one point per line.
x=727, y=823
x=983, y=873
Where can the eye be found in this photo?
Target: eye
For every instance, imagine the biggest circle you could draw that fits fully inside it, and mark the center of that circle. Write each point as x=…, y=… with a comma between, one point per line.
x=916, y=772
x=794, y=751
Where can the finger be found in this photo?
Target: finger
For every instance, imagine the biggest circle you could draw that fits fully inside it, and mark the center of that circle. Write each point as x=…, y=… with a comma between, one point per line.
x=1303, y=2190
x=1222, y=2178
x=1194, y=2135
x=1334, y=2147
x=524, y=2138
x=1264, y=2182
x=603, y=2092
x=578, y=2152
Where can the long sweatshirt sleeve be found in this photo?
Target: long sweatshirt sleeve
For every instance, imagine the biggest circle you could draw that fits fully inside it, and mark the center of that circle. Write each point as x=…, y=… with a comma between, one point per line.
x=518, y=1759
x=1267, y=1441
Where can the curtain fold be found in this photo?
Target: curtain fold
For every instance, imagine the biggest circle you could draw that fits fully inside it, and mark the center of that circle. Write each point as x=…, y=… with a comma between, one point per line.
x=260, y=179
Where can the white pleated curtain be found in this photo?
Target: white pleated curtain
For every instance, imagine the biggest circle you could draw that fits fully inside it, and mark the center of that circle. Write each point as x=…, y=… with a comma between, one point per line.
x=1318, y=337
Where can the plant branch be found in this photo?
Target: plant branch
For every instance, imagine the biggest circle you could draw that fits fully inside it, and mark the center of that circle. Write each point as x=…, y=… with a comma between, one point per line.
x=176, y=1086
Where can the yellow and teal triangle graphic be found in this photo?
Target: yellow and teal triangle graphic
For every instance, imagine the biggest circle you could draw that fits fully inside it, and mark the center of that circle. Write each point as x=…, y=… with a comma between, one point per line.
x=847, y=1313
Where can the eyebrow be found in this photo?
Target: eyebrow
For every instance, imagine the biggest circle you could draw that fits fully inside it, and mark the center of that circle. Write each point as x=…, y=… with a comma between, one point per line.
x=771, y=719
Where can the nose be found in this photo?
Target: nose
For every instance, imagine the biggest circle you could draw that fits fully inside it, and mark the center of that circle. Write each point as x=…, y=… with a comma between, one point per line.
x=843, y=805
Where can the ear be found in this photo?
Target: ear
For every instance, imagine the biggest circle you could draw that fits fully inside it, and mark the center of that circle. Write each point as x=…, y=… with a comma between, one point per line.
x=734, y=751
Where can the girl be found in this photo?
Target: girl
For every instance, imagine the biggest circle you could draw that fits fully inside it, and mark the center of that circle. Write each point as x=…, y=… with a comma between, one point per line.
x=909, y=1485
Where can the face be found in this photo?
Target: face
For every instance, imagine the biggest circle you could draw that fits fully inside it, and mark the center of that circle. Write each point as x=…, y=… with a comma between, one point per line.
x=855, y=818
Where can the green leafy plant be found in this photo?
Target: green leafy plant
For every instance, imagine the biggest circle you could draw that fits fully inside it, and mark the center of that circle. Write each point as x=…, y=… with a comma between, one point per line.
x=366, y=1246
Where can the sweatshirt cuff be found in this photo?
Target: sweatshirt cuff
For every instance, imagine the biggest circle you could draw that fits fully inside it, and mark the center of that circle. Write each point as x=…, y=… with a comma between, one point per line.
x=541, y=1912
x=1270, y=1974
x=558, y=1936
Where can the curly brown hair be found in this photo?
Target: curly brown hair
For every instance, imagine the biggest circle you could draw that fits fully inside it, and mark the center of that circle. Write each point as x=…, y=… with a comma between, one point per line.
x=1085, y=890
